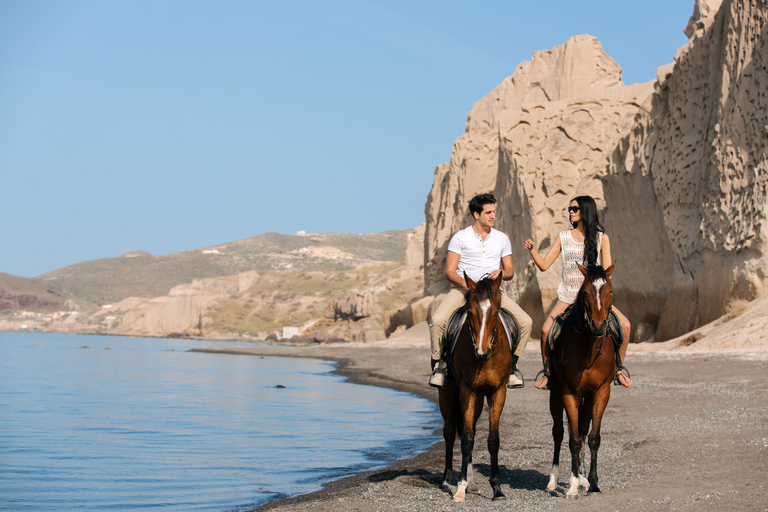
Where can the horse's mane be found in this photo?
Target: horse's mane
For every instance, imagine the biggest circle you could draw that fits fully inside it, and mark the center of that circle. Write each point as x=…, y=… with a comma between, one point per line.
x=594, y=272
x=483, y=289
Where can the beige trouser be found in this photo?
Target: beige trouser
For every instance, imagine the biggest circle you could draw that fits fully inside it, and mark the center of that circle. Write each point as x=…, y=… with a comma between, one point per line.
x=454, y=300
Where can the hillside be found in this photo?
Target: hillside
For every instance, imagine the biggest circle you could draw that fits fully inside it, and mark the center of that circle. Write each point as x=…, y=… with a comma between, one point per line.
x=17, y=293
x=330, y=286
x=140, y=274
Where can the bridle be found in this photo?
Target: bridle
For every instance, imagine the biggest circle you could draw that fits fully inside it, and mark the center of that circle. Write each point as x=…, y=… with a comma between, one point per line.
x=597, y=332
x=600, y=334
x=487, y=355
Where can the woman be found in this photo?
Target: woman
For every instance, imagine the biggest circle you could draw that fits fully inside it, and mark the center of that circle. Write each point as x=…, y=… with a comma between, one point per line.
x=586, y=243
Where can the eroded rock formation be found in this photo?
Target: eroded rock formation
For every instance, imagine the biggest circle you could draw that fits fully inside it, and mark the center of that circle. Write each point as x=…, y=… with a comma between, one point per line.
x=698, y=162
x=540, y=138
x=677, y=166
x=352, y=307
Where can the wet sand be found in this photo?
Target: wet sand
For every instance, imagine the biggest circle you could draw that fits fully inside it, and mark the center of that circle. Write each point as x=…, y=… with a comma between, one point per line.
x=691, y=435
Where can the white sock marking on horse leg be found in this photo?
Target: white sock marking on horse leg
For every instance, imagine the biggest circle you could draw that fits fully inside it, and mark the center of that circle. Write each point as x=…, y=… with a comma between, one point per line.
x=471, y=486
x=461, y=491
x=583, y=465
x=554, y=474
x=573, y=490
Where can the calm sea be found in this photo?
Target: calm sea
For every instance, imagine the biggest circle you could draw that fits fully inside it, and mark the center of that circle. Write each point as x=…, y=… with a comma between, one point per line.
x=146, y=425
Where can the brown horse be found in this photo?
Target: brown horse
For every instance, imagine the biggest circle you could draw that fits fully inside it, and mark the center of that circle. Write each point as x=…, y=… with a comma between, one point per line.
x=582, y=369
x=482, y=361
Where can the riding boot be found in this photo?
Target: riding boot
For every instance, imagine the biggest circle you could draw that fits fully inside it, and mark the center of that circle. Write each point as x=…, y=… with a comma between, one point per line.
x=439, y=371
x=516, y=380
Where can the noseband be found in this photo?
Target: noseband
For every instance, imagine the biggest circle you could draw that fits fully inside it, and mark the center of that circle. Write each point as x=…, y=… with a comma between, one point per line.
x=596, y=332
x=490, y=347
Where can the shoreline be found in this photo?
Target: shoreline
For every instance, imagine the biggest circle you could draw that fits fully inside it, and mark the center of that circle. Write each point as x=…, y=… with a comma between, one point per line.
x=690, y=435
x=357, y=363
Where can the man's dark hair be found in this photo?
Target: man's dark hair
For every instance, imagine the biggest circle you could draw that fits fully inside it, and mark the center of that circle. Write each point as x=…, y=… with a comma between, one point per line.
x=476, y=203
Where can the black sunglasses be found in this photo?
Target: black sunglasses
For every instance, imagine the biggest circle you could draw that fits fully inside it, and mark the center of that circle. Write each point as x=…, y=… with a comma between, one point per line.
x=573, y=209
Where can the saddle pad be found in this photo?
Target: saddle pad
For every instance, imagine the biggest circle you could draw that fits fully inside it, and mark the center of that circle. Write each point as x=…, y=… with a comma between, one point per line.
x=557, y=328
x=513, y=333
x=451, y=335
x=614, y=327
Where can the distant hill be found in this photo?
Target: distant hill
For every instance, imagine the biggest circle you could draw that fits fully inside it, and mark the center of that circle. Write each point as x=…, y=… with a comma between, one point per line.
x=18, y=293
x=140, y=274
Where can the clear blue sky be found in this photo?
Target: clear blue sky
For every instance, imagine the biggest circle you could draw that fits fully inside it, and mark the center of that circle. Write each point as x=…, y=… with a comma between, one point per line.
x=170, y=125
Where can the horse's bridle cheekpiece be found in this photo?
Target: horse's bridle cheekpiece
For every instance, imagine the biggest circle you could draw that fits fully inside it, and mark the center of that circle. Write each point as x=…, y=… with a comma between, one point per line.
x=490, y=347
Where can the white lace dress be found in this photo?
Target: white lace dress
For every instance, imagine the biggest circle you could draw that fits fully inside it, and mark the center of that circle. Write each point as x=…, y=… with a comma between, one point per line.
x=571, y=278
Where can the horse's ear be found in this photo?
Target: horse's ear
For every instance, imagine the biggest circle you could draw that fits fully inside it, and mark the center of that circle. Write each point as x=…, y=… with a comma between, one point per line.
x=497, y=282
x=582, y=269
x=470, y=283
x=609, y=270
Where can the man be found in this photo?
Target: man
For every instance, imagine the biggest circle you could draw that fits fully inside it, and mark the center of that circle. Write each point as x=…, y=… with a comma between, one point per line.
x=480, y=251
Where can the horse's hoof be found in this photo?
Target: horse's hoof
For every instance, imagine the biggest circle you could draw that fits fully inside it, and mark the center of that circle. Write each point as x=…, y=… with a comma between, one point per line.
x=572, y=496
x=500, y=497
x=459, y=499
x=474, y=490
x=551, y=488
x=594, y=488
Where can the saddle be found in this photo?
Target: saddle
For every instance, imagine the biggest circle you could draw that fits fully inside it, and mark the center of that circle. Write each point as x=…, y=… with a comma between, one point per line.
x=456, y=322
x=614, y=328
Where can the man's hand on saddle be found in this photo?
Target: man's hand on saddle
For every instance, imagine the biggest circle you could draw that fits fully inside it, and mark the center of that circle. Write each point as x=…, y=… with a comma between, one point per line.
x=494, y=274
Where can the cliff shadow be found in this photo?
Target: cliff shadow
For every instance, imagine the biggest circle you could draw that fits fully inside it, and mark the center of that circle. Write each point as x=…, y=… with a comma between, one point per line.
x=644, y=257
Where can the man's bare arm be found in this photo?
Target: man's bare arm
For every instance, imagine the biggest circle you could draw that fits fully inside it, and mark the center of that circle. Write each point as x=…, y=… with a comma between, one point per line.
x=506, y=268
x=451, y=264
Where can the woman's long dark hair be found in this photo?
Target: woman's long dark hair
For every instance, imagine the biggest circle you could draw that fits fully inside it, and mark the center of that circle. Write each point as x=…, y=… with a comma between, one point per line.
x=592, y=226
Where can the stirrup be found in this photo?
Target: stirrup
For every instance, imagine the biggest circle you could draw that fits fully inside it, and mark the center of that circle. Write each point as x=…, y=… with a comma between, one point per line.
x=438, y=377
x=544, y=373
x=625, y=372
x=516, y=380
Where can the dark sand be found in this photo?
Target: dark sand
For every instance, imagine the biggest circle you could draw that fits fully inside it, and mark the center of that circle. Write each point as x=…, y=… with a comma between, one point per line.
x=691, y=435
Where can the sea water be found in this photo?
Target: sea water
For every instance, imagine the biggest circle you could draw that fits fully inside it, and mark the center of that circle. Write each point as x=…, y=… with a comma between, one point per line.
x=99, y=423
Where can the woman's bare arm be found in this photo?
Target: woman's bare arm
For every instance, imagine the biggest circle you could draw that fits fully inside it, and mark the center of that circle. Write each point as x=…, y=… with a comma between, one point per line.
x=545, y=262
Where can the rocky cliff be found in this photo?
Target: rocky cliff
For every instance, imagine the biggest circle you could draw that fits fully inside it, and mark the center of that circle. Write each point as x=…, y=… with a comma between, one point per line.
x=696, y=164
x=677, y=166
x=540, y=138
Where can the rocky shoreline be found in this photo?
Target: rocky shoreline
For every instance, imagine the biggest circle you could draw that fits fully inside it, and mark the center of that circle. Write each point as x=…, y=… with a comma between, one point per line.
x=691, y=435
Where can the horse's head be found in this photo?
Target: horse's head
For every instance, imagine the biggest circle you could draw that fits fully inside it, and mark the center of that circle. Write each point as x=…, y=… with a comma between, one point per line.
x=483, y=306
x=595, y=297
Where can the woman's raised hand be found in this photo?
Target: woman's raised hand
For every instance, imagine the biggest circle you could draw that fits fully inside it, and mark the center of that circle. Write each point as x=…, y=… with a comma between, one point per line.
x=529, y=244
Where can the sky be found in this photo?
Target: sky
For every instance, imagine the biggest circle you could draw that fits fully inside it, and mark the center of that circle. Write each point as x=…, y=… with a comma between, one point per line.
x=170, y=125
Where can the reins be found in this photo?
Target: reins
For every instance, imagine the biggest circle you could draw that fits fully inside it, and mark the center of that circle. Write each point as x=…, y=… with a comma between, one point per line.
x=495, y=327
x=493, y=337
x=599, y=351
x=574, y=320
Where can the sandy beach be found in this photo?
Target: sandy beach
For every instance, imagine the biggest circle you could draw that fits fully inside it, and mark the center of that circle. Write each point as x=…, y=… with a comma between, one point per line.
x=691, y=435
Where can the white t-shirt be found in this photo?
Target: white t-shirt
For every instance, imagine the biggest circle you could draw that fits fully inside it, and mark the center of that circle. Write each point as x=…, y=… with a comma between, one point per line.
x=477, y=257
